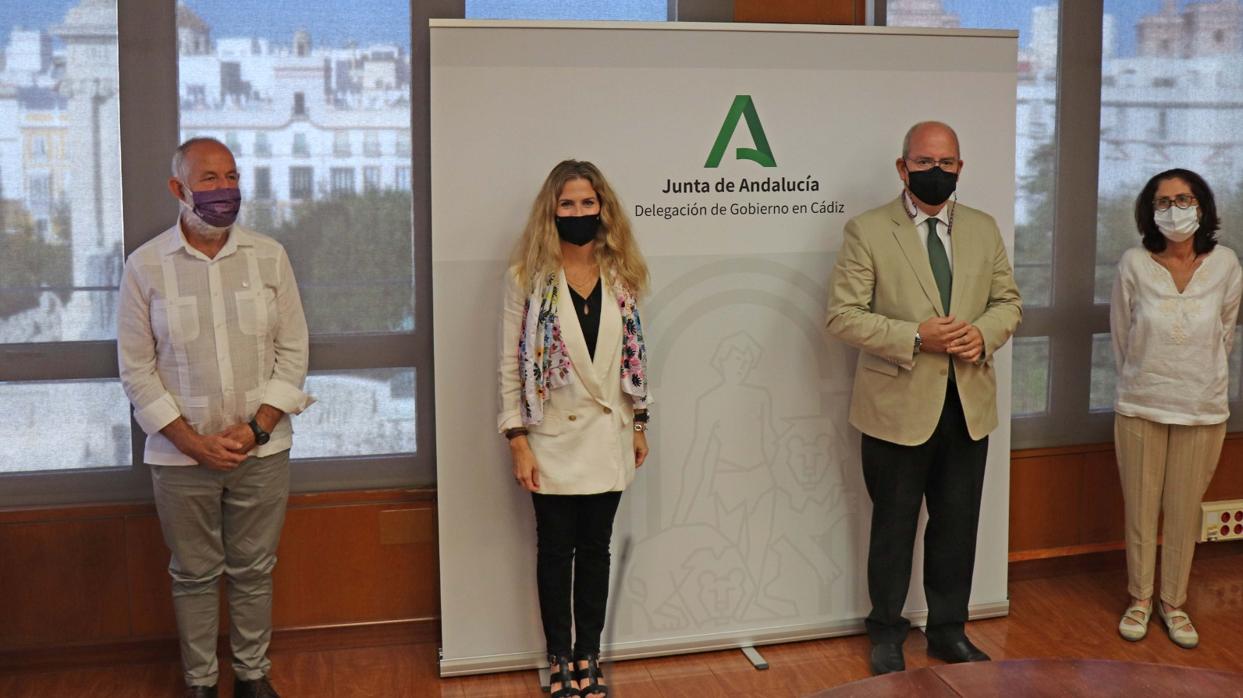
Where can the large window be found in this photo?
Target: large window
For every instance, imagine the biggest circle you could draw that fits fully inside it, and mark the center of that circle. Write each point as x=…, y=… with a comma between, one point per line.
x=1139, y=86
x=60, y=237
x=1170, y=97
x=1035, y=120
x=277, y=81
x=320, y=68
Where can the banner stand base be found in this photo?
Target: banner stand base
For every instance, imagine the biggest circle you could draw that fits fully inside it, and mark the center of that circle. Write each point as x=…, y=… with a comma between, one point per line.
x=753, y=655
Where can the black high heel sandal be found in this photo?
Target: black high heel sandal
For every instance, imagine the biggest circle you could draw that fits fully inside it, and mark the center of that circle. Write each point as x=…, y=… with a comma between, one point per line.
x=591, y=674
x=563, y=676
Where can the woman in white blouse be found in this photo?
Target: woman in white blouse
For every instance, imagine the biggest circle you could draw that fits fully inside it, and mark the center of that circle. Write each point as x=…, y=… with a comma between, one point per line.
x=1175, y=306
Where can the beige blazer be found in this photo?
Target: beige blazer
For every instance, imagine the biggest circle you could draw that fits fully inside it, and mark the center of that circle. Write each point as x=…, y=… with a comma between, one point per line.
x=585, y=445
x=882, y=288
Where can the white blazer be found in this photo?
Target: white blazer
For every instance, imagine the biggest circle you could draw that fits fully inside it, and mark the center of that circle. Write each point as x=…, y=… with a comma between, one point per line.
x=585, y=445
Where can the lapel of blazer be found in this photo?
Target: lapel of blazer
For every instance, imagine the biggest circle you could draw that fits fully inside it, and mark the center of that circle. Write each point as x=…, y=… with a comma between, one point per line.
x=575, y=344
x=963, y=259
x=916, y=255
x=607, y=363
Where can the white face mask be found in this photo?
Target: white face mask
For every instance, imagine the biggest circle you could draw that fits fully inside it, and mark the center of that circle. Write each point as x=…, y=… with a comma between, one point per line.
x=1178, y=224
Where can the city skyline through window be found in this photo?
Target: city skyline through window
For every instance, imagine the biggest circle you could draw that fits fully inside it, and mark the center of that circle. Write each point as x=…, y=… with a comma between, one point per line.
x=326, y=91
x=60, y=225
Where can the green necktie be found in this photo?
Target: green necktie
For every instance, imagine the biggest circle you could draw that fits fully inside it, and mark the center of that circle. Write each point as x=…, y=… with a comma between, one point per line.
x=940, y=265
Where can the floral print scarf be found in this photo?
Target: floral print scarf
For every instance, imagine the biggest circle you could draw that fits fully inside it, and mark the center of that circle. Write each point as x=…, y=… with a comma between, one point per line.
x=544, y=363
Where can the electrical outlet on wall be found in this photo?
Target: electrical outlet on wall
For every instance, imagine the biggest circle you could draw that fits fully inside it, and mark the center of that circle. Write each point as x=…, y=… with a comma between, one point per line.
x=1221, y=520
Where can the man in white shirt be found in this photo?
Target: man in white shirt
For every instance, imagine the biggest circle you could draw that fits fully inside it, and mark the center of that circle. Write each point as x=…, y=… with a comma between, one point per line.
x=212, y=346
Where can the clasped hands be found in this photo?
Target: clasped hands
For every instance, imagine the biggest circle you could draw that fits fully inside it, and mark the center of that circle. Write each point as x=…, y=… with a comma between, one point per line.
x=949, y=335
x=225, y=449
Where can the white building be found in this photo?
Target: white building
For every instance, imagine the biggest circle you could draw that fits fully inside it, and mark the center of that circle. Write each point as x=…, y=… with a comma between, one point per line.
x=29, y=52
x=303, y=122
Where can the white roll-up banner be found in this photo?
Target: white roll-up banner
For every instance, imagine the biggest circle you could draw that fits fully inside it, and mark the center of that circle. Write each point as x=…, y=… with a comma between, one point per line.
x=739, y=152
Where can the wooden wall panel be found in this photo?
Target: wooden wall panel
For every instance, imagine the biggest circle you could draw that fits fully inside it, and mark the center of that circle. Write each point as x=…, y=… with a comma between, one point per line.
x=1228, y=480
x=1066, y=501
x=1045, y=494
x=801, y=11
x=62, y=581
x=151, y=607
x=373, y=562
x=98, y=574
x=1100, y=509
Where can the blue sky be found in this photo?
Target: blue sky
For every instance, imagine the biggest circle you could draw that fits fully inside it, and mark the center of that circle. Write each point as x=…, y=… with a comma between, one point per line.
x=332, y=22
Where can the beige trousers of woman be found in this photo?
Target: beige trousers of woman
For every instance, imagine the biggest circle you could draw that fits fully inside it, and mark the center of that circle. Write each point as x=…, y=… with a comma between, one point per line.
x=1164, y=467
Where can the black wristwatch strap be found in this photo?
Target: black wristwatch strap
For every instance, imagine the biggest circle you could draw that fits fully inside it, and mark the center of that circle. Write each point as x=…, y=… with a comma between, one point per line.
x=261, y=436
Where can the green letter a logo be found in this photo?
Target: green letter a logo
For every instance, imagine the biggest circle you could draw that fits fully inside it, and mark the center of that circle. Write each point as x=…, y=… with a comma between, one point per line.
x=742, y=107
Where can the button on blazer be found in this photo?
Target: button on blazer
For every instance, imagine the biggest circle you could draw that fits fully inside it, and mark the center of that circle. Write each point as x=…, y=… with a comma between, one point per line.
x=585, y=443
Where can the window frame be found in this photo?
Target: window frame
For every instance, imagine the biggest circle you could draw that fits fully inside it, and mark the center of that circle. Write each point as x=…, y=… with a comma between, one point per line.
x=149, y=132
x=1072, y=317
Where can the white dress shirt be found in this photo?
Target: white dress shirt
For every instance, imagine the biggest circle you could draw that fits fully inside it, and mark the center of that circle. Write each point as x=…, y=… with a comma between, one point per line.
x=921, y=225
x=211, y=340
x=1172, y=348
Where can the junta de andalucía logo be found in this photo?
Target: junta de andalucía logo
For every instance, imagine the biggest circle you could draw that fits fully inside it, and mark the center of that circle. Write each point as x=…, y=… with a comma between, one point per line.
x=742, y=108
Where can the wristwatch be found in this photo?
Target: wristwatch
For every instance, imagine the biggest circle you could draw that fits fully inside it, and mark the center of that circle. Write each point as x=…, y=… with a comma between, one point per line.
x=261, y=436
x=919, y=341
x=640, y=426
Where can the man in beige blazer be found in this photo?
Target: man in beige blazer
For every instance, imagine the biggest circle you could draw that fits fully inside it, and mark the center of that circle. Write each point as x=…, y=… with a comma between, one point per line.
x=924, y=289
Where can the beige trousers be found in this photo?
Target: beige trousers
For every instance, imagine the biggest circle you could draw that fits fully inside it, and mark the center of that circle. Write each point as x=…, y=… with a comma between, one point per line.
x=223, y=524
x=1164, y=468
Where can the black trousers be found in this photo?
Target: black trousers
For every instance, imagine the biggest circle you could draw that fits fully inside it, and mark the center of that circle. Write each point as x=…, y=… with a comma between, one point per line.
x=948, y=472
x=573, y=533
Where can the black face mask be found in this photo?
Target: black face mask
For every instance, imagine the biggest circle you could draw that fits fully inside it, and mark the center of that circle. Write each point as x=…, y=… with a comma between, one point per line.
x=578, y=230
x=932, y=186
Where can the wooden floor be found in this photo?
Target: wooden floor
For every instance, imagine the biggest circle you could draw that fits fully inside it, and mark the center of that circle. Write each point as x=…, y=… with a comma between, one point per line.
x=1072, y=615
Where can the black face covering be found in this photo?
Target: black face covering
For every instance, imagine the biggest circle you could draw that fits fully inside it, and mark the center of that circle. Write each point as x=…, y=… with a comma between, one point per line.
x=578, y=230
x=932, y=186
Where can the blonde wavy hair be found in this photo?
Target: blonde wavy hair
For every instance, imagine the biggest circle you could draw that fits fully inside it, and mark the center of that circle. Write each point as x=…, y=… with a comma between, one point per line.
x=538, y=253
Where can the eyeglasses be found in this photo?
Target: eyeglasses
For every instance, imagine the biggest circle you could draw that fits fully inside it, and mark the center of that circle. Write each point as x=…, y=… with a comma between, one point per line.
x=921, y=164
x=1181, y=201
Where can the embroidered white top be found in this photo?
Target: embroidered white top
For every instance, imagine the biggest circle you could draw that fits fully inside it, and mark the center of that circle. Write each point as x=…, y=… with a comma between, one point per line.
x=1172, y=348
x=211, y=339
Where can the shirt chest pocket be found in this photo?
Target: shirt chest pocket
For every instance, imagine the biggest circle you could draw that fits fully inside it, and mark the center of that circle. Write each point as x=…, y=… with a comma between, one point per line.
x=176, y=320
x=256, y=310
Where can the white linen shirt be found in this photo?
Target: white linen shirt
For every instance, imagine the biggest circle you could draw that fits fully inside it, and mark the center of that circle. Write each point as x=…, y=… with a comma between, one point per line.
x=1172, y=348
x=211, y=340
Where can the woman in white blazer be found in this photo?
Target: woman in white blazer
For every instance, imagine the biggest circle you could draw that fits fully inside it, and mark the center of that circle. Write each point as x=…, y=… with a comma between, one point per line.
x=574, y=400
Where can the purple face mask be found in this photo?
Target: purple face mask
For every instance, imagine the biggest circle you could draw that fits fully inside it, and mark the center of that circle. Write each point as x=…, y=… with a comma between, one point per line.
x=218, y=207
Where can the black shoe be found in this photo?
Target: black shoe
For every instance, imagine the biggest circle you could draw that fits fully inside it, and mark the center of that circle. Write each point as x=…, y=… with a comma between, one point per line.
x=956, y=651
x=200, y=692
x=887, y=658
x=589, y=676
x=259, y=688
x=559, y=673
